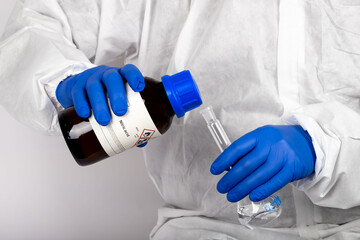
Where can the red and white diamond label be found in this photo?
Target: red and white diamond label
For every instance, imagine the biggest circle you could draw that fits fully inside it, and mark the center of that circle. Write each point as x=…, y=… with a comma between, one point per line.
x=145, y=136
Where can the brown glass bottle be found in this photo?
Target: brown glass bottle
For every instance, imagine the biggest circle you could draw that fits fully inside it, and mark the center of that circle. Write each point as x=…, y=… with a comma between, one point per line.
x=85, y=146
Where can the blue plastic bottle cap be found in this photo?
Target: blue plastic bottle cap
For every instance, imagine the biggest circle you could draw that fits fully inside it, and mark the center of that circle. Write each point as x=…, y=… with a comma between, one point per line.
x=182, y=92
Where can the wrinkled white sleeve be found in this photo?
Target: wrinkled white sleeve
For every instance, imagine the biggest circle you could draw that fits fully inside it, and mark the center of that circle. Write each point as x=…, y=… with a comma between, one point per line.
x=319, y=82
x=47, y=40
x=335, y=132
x=37, y=51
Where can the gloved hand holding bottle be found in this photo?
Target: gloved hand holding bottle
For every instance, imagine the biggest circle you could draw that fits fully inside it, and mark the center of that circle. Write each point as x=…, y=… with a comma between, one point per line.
x=264, y=161
x=138, y=113
x=87, y=90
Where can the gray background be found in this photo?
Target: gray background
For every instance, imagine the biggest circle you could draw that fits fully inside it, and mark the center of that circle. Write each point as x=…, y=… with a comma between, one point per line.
x=45, y=195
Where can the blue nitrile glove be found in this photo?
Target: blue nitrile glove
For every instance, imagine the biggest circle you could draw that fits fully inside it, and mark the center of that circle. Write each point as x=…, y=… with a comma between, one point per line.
x=264, y=161
x=88, y=90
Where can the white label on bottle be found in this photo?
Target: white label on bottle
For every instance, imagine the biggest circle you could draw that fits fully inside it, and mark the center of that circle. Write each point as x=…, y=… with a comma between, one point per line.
x=134, y=128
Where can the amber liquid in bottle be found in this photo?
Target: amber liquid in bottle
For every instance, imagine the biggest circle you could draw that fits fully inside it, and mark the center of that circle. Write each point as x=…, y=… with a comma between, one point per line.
x=86, y=148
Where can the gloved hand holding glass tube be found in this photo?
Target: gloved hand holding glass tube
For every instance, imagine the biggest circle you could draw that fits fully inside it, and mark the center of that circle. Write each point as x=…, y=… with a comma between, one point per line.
x=264, y=161
x=260, y=163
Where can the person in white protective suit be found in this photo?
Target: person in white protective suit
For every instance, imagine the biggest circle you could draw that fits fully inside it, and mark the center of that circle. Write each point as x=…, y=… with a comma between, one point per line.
x=257, y=63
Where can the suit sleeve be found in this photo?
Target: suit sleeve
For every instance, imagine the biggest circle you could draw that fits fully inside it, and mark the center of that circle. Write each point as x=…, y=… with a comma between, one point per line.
x=320, y=87
x=48, y=40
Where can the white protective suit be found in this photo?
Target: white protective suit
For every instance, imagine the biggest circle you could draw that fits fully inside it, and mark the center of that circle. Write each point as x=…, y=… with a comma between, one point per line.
x=256, y=62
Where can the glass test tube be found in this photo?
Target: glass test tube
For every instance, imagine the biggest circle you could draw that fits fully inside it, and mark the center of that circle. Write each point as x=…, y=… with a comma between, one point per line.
x=216, y=129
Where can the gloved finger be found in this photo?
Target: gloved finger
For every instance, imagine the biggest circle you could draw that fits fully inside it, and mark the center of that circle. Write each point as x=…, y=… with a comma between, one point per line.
x=243, y=168
x=133, y=76
x=79, y=95
x=116, y=91
x=64, y=89
x=96, y=93
x=62, y=93
x=142, y=145
x=80, y=99
x=273, y=185
x=233, y=153
x=261, y=175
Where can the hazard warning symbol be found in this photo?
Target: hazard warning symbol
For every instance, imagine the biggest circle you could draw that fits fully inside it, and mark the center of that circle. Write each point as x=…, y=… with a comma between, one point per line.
x=145, y=136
